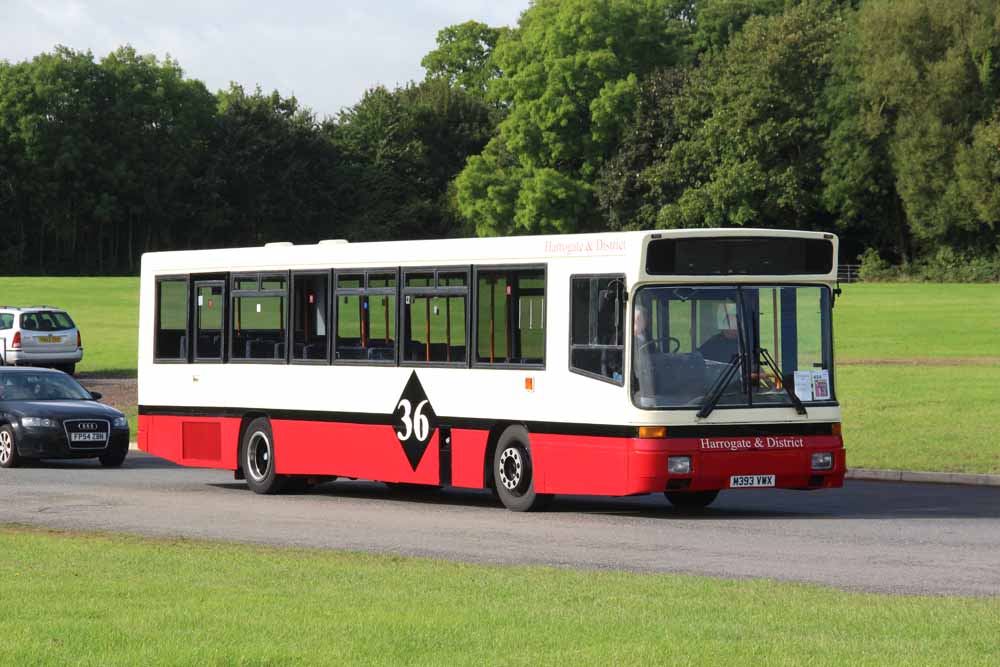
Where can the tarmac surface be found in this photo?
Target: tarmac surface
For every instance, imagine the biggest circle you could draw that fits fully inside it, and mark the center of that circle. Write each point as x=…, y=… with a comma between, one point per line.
x=888, y=537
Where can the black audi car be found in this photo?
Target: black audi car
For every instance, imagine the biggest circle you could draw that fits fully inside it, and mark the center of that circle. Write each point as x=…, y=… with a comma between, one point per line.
x=46, y=414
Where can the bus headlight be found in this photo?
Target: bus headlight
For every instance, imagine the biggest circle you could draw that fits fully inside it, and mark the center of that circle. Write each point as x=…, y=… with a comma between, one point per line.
x=679, y=465
x=822, y=461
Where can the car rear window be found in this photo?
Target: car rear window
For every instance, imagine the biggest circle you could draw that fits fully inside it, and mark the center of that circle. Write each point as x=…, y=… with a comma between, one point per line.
x=46, y=320
x=6, y=320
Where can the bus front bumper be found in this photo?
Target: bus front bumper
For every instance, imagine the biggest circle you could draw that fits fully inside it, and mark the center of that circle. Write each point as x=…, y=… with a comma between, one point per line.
x=765, y=462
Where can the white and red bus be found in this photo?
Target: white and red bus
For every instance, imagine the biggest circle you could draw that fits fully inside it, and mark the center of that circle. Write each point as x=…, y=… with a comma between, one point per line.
x=682, y=362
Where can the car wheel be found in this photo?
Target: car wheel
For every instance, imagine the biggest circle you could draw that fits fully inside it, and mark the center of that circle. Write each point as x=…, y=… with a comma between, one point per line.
x=8, y=449
x=257, y=458
x=113, y=459
x=513, y=472
x=691, y=500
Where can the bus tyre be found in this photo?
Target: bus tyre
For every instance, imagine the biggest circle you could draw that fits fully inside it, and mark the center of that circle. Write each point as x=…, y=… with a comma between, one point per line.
x=114, y=459
x=513, y=475
x=8, y=448
x=691, y=500
x=257, y=458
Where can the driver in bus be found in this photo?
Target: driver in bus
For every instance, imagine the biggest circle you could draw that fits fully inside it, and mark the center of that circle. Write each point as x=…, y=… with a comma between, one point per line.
x=725, y=344
x=642, y=362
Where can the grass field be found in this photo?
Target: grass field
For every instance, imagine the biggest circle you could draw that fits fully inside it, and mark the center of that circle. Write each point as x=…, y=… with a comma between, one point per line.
x=917, y=321
x=104, y=600
x=915, y=416
x=940, y=418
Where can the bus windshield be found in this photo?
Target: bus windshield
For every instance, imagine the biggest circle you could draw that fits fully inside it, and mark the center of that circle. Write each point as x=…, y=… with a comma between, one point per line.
x=731, y=346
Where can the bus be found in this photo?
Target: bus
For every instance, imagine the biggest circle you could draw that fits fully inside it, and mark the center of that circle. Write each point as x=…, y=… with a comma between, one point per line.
x=681, y=362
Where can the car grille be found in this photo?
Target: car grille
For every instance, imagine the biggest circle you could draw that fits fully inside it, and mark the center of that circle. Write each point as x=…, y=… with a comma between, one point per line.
x=87, y=433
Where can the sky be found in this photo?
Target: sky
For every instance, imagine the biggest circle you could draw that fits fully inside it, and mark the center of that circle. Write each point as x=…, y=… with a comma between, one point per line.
x=325, y=53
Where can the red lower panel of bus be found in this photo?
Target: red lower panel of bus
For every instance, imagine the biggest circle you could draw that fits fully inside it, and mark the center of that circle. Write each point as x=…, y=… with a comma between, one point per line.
x=566, y=464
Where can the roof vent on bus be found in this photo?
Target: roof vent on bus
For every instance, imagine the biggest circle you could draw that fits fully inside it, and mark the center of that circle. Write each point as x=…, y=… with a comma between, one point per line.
x=332, y=241
x=279, y=244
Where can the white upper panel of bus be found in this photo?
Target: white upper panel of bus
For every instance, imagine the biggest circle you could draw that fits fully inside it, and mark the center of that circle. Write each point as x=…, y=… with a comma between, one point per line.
x=623, y=250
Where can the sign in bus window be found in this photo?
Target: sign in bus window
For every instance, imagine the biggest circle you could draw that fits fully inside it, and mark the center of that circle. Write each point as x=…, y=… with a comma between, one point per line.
x=436, y=329
x=258, y=327
x=171, y=319
x=510, y=317
x=597, y=316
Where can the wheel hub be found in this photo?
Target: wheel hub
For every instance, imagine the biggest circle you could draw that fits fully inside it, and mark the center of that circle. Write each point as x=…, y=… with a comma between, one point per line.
x=5, y=447
x=259, y=456
x=511, y=468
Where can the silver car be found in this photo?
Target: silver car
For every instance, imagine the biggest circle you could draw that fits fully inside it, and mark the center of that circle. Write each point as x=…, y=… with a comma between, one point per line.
x=39, y=336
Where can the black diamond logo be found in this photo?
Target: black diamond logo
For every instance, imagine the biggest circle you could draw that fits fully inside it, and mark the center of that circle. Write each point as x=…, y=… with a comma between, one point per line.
x=415, y=420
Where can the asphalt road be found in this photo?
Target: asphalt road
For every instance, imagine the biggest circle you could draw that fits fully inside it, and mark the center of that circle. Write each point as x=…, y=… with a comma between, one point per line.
x=894, y=538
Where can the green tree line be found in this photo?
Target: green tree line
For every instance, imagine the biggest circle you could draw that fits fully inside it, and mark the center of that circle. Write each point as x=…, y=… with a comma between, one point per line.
x=876, y=119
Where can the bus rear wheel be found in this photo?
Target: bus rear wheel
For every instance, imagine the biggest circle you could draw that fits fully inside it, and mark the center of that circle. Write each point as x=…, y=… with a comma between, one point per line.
x=257, y=458
x=691, y=500
x=513, y=473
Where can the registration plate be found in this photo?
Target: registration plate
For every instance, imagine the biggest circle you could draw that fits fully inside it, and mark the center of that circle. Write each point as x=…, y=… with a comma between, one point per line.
x=49, y=339
x=750, y=481
x=87, y=437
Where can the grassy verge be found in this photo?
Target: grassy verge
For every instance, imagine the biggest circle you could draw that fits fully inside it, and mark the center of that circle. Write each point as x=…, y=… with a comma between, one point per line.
x=106, y=310
x=940, y=418
x=100, y=600
x=917, y=320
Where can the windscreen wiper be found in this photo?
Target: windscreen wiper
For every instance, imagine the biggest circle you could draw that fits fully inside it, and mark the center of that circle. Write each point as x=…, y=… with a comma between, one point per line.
x=719, y=387
x=766, y=356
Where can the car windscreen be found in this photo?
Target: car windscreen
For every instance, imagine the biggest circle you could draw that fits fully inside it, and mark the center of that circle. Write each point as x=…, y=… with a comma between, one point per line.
x=21, y=386
x=46, y=320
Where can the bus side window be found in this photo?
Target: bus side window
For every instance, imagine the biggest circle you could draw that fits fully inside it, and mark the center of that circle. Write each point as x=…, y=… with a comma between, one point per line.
x=259, y=319
x=366, y=316
x=598, y=327
x=171, y=341
x=435, y=316
x=510, y=316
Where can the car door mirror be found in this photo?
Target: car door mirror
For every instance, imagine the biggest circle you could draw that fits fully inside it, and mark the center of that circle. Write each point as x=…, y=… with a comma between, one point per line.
x=96, y=395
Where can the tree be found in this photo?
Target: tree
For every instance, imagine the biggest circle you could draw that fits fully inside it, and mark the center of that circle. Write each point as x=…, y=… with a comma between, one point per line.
x=464, y=57
x=718, y=21
x=273, y=174
x=630, y=191
x=751, y=151
x=569, y=78
x=406, y=146
x=929, y=76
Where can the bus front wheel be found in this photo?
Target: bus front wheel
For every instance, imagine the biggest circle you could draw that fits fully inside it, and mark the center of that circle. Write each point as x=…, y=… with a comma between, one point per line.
x=513, y=472
x=691, y=500
x=257, y=458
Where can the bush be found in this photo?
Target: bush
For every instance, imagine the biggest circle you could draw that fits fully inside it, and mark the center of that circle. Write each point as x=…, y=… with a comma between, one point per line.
x=944, y=266
x=874, y=269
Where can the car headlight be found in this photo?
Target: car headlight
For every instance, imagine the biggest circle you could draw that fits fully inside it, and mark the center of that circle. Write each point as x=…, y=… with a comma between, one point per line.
x=120, y=422
x=39, y=422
